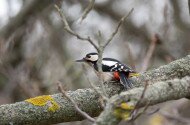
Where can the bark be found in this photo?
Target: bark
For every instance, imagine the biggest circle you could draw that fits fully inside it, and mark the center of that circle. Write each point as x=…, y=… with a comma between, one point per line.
x=176, y=69
x=156, y=93
x=25, y=113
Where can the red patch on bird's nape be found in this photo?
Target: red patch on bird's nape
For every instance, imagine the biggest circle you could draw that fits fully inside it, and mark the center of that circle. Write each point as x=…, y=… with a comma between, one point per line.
x=116, y=76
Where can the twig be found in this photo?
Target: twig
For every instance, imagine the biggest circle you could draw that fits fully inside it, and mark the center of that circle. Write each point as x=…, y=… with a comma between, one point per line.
x=99, y=48
x=149, y=53
x=142, y=95
x=189, y=6
x=99, y=63
x=69, y=30
x=135, y=110
x=87, y=10
x=103, y=46
x=117, y=28
x=93, y=86
x=84, y=114
x=130, y=56
x=139, y=114
x=100, y=53
x=153, y=112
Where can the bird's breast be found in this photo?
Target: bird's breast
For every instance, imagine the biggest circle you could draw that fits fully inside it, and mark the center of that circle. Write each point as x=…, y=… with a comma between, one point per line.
x=107, y=76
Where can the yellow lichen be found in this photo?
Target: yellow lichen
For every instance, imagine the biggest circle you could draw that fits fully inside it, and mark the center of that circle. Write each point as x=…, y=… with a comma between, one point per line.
x=44, y=100
x=53, y=107
x=134, y=74
x=123, y=114
x=123, y=111
x=126, y=106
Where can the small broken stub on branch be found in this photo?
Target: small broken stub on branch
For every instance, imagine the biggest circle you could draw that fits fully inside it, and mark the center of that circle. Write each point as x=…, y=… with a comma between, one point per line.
x=44, y=100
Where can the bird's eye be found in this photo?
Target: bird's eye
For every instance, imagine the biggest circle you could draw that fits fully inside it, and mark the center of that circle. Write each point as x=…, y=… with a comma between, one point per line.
x=88, y=56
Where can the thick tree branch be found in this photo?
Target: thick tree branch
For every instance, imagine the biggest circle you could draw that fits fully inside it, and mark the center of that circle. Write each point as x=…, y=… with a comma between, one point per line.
x=28, y=113
x=84, y=114
x=176, y=69
x=25, y=113
x=156, y=93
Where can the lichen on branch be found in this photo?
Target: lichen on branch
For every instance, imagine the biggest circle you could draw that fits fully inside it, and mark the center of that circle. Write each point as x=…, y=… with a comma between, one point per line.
x=25, y=113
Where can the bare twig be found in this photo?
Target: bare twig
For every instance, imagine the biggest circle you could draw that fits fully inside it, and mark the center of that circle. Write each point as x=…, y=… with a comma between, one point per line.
x=87, y=10
x=117, y=28
x=135, y=111
x=130, y=56
x=84, y=114
x=149, y=53
x=100, y=72
x=154, y=111
x=69, y=30
x=134, y=117
x=93, y=86
x=103, y=46
x=189, y=6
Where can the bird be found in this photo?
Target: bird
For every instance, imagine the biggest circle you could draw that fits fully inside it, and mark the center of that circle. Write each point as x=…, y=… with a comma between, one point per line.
x=112, y=69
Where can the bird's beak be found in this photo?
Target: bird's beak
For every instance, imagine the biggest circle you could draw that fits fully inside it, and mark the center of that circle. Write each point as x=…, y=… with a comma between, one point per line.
x=81, y=60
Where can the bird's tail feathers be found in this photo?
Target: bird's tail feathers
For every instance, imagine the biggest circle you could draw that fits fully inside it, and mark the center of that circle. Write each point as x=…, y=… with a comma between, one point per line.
x=125, y=81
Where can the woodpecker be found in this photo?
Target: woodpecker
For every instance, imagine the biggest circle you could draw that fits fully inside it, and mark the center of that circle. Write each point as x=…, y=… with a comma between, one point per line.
x=113, y=70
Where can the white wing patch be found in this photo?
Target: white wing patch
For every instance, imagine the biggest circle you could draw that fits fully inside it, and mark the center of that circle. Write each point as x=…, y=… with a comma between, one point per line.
x=108, y=63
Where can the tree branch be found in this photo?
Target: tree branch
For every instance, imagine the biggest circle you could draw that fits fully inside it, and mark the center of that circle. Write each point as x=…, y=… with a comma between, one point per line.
x=176, y=69
x=87, y=99
x=117, y=28
x=156, y=93
x=22, y=113
x=84, y=114
x=87, y=10
x=149, y=53
x=189, y=6
x=69, y=30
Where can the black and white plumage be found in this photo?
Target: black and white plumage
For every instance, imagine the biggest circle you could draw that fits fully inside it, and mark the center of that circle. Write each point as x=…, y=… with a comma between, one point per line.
x=112, y=69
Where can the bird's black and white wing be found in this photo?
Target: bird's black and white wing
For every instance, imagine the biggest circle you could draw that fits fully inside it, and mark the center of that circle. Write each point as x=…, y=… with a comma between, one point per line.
x=121, y=68
x=112, y=65
x=108, y=64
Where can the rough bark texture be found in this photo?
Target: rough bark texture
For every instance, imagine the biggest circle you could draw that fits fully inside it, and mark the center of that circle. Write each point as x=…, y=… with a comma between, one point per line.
x=156, y=93
x=24, y=113
x=175, y=69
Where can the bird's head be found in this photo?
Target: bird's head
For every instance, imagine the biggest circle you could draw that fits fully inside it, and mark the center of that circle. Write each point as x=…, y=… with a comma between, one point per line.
x=89, y=58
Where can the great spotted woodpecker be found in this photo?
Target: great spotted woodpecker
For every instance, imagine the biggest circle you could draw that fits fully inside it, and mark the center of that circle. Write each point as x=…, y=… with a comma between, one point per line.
x=113, y=70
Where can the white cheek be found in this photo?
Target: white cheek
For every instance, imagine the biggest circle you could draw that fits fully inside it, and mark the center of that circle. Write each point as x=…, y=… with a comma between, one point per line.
x=94, y=58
